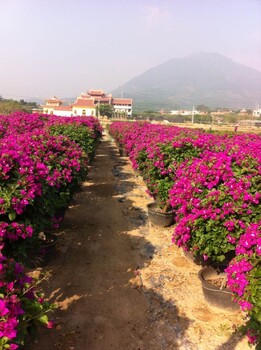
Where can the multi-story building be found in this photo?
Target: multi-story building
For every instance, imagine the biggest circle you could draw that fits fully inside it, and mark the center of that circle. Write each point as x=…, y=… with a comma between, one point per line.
x=87, y=104
x=257, y=112
x=122, y=106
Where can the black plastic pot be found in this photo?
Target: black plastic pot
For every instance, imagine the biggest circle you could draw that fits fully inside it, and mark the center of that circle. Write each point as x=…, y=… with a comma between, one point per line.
x=220, y=297
x=41, y=255
x=60, y=214
x=159, y=218
x=56, y=220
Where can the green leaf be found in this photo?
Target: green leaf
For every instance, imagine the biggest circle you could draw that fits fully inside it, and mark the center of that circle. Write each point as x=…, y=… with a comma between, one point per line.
x=12, y=216
x=43, y=319
x=259, y=316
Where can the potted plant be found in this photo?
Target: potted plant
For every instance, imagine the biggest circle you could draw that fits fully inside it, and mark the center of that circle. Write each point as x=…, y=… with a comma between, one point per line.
x=215, y=198
x=160, y=212
x=157, y=164
x=159, y=217
x=40, y=249
x=214, y=287
x=244, y=276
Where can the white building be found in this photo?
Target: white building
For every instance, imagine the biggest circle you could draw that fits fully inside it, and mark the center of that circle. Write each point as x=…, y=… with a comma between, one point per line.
x=86, y=105
x=184, y=112
x=50, y=104
x=122, y=106
x=257, y=112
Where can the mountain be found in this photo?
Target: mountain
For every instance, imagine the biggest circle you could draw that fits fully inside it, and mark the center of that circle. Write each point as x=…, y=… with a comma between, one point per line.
x=203, y=78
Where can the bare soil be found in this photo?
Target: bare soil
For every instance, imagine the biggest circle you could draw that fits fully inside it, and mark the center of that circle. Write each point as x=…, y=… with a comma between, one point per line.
x=119, y=282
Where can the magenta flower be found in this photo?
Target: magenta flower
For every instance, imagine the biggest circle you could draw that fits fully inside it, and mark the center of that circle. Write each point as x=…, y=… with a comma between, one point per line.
x=3, y=309
x=212, y=184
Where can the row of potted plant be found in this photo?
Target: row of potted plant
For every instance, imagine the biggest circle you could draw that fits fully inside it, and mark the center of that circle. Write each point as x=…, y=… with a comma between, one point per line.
x=244, y=276
x=43, y=161
x=212, y=182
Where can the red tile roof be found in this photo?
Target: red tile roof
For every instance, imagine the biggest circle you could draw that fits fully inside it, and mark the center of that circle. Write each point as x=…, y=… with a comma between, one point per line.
x=96, y=92
x=63, y=108
x=102, y=99
x=122, y=101
x=84, y=103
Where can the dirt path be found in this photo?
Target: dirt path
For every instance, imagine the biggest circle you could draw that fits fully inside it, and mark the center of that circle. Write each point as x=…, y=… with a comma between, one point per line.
x=119, y=282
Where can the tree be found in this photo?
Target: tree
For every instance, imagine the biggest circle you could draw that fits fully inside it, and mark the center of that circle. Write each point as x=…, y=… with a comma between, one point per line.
x=106, y=110
x=8, y=106
x=203, y=108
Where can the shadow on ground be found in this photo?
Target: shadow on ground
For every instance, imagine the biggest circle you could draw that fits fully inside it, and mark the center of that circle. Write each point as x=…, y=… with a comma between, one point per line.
x=95, y=275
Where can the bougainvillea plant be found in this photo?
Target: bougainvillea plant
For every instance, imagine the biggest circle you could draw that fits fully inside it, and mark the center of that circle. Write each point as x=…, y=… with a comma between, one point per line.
x=244, y=280
x=22, y=305
x=213, y=204
x=39, y=172
x=216, y=195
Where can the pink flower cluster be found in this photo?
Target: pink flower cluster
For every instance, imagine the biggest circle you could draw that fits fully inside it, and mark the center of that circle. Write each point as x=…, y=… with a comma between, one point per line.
x=243, y=275
x=148, y=147
x=31, y=164
x=35, y=168
x=209, y=196
x=17, y=293
x=21, y=123
x=213, y=183
x=10, y=303
x=236, y=272
x=21, y=305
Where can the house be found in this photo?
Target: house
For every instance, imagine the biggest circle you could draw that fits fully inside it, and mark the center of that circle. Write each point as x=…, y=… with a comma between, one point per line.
x=87, y=103
x=184, y=112
x=122, y=106
x=84, y=106
x=62, y=111
x=257, y=112
x=50, y=104
x=243, y=112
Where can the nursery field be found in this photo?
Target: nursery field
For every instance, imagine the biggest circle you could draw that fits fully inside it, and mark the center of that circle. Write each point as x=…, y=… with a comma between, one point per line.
x=120, y=283
x=207, y=127
x=148, y=237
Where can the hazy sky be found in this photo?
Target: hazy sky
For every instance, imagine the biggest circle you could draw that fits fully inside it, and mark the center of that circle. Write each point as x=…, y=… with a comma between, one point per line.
x=64, y=47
